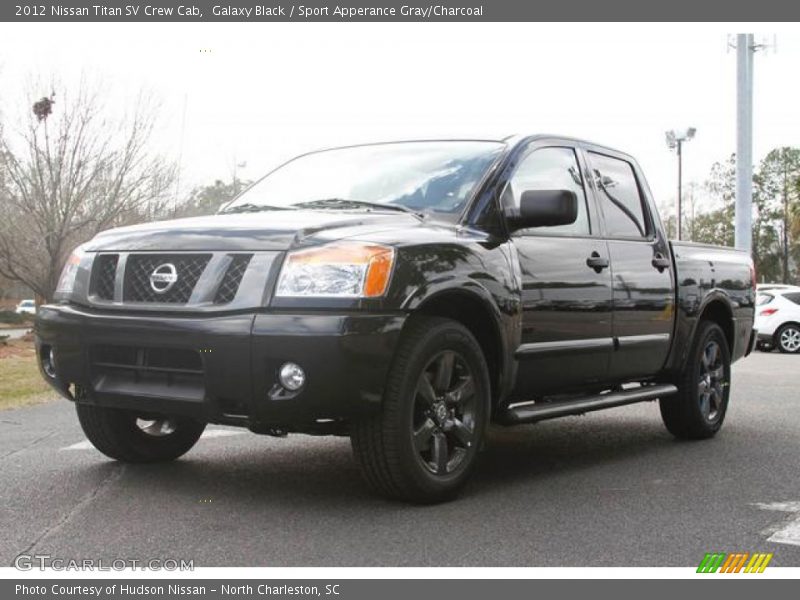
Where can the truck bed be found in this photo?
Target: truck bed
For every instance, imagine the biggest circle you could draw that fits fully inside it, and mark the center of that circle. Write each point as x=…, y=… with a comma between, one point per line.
x=706, y=274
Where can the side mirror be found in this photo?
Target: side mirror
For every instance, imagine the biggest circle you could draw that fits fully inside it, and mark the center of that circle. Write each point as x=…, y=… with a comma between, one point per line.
x=544, y=208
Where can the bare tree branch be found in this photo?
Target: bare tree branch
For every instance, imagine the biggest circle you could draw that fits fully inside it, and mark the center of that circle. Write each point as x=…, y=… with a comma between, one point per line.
x=71, y=174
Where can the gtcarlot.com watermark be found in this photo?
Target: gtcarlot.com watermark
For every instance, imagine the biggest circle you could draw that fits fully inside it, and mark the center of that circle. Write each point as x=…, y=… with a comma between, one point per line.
x=42, y=562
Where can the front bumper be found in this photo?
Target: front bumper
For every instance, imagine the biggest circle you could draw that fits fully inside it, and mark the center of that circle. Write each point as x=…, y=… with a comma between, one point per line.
x=765, y=338
x=221, y=368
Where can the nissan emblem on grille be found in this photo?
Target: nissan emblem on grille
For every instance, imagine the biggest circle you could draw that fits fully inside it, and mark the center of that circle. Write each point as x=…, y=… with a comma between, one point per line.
x=163, y=278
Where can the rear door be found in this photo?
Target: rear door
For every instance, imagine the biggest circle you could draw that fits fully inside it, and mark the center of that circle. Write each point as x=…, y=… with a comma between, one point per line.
x=641, y=267
x=566, y=333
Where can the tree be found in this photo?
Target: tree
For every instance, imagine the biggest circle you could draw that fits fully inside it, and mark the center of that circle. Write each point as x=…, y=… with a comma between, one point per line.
x=780, y=173
x=716, y=226
x=72, y=171
x=766, y=245
x=207, y=199
x=794, y=229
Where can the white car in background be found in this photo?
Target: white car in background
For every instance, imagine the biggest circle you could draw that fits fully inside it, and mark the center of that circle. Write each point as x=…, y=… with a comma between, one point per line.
x=26, y=307
x=778, y=318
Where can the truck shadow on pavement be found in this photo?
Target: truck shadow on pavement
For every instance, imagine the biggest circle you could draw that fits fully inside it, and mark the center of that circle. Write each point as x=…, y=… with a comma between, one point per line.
x=312, y=471
x=301, y=501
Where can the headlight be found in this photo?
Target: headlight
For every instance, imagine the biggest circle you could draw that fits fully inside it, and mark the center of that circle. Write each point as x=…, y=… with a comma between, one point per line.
x=66, y=282
x=343, y=269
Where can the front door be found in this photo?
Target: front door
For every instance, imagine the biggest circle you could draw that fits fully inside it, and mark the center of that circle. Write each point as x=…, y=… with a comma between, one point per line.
x=566, y=284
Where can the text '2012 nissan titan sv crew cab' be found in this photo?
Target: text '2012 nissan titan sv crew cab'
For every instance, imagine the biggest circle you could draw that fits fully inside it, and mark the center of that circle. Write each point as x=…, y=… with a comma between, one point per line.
x=405, y=294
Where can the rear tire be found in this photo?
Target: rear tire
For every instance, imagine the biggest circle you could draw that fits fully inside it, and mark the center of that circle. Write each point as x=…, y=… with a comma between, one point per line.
x=787, y=339
x=129, y=437
x=424, y=444
x=698, y=409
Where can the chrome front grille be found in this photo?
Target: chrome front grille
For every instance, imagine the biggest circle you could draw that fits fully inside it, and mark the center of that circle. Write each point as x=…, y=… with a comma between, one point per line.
x=201, y=281
x=139, y=269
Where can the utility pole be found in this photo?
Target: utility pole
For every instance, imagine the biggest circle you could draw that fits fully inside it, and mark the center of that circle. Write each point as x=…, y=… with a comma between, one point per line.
x=745, y=48
x=675, y=140
x=692, y=189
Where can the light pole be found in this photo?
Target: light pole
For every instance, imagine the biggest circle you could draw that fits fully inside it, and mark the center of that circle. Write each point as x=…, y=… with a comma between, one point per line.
x=675, y=140
x=237, y=165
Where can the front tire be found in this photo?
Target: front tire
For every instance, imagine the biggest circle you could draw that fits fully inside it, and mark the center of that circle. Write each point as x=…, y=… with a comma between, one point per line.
x=698, y=409
x=787, y=339
x=133, y=438
x=424, y=444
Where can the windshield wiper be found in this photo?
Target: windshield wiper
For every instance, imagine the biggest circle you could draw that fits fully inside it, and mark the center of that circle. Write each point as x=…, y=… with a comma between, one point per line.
x=344, y=203
x=251, y=208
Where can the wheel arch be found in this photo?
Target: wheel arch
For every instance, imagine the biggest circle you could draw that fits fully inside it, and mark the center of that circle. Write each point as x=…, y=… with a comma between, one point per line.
x=781, y=326
x=476, y=311
x=718, y=311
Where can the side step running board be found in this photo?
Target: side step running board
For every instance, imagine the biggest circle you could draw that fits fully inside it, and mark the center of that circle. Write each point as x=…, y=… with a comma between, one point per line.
x=539, y=412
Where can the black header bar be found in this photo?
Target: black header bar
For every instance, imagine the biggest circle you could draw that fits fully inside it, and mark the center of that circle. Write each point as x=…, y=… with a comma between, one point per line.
x=400, y=10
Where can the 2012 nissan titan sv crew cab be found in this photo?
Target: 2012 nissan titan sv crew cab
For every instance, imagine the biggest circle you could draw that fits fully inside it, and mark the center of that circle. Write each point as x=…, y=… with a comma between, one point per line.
x=404, y=294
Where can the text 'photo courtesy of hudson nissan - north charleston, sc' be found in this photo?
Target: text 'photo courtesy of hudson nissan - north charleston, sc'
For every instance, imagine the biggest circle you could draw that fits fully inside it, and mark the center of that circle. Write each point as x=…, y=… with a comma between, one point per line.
x=405, y=295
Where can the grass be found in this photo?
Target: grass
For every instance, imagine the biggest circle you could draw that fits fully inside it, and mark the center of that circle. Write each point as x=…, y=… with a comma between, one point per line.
x=20, y=381
x=9, y=318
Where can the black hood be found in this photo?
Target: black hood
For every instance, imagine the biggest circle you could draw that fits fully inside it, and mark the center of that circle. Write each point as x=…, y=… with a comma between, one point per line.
x=272, y=230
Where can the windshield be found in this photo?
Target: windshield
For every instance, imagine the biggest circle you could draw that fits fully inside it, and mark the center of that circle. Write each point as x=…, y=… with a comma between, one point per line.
x=431, y=177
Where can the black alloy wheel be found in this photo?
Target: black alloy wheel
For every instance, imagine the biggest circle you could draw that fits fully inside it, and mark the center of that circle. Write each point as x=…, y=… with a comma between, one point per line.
x=444, y=413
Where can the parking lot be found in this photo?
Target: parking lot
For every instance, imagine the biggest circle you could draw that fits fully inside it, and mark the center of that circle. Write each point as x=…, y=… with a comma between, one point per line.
x=607, y=489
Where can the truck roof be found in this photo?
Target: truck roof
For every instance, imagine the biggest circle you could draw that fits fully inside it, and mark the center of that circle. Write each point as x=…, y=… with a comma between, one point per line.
x=516, y=139
x=510, y=140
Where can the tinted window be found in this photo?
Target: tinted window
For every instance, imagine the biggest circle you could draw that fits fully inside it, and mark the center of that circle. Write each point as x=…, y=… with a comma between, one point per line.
x=763, y=299
x=550, y=169
x=618, y=196
x=794, y=297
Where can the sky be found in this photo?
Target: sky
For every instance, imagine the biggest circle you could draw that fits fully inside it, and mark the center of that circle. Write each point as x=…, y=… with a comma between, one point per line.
x=260, y=93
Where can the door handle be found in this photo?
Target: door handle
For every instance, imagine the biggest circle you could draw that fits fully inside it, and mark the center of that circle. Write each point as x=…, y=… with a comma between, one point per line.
x=660, y=262
x=597, y=262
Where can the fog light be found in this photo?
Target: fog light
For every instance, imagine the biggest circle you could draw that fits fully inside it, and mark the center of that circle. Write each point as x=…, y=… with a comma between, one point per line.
x=49, y=362
x=292, y=376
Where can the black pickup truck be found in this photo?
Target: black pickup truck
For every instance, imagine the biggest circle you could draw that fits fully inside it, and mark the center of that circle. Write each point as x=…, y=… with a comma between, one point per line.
x=406, y=295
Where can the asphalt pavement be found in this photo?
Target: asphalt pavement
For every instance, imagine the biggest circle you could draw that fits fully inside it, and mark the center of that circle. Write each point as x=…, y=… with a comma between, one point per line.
x=611, y=488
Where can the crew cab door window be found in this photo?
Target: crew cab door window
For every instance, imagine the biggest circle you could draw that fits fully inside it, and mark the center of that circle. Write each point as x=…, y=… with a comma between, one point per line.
x=619, y=197
x=550, y=169
x=643, y=292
